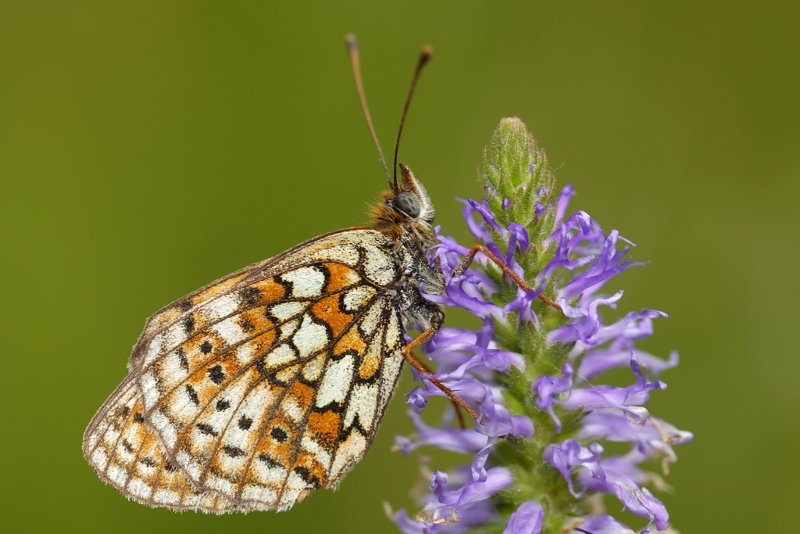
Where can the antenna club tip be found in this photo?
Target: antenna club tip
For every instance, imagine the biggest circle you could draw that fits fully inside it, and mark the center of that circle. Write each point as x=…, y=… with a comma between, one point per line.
x=426, y=54
x=350, y=41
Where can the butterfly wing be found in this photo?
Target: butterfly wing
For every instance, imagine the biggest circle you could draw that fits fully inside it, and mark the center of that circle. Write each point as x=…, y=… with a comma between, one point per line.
x=127, y=455
x=274, y=384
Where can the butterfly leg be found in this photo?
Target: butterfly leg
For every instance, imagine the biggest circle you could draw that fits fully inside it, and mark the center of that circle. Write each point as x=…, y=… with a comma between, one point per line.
x=465, y=262
x=427, y=370
x=421, y=367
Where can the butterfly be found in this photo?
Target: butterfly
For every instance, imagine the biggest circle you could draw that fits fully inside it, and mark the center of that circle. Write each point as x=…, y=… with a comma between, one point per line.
x=268, y=383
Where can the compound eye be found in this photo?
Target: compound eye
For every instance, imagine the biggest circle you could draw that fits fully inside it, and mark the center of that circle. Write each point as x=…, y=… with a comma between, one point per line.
x=406, y=204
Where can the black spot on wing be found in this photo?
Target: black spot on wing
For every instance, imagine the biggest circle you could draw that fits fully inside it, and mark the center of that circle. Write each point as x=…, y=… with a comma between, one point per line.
x=245, y=422
x=233, y=452
x=279, y=434
x=216, y=375
x=182, y=361
x=249, y=297
x=246, y=325
x=342, y=305
x=192, y=394
x=261, y=367
x=188, y=325
x=271, y=462
x=222, y=405
x=206, y=347
x=207, y=430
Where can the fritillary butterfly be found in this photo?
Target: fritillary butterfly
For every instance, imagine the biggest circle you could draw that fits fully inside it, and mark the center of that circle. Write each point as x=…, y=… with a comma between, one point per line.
x=271, y=382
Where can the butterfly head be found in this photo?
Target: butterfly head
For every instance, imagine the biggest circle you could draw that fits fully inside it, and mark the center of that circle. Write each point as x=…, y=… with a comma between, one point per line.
x=406, y=203
x=409, y=198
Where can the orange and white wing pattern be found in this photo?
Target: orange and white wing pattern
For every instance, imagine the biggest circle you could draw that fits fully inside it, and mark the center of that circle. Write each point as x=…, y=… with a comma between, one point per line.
x=270, y=386
x=127, y=455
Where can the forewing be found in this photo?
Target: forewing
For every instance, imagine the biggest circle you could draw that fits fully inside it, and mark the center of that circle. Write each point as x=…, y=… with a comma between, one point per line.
x=276, y=385
x=171, y=323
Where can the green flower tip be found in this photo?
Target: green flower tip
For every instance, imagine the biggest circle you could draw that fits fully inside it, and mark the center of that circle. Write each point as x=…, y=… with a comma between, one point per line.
x=515, y=171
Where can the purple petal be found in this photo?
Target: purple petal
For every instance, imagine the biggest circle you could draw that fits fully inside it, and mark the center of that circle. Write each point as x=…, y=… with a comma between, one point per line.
x=571, y=454
x=619, y=354
x=519, y=236
x=563, y=201
x=417, y=400
x=527, y=519
x=477, y=230
x=482, y=208
x=637, y=500
x=547, y=387
x=497, y=422
x=454, y=502
x=628, y=399
x=602, y=524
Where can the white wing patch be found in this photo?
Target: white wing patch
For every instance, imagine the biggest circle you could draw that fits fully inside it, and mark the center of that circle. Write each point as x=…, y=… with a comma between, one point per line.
x=362, y=402
x=281, y=355
x=379, y=266
x=286, y=310
x=311, y=337
x=336, y=382
x=230, y=331
x=307, y=282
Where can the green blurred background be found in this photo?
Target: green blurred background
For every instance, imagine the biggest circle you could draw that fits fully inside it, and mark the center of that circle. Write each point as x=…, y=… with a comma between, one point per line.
x=147, y=148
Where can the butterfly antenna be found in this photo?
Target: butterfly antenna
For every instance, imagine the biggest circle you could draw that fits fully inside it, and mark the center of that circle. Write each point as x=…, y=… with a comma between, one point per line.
x=426, y=54
x=352, y=48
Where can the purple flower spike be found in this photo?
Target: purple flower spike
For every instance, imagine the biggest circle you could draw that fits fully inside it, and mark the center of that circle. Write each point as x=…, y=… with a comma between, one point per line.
x=527, y=363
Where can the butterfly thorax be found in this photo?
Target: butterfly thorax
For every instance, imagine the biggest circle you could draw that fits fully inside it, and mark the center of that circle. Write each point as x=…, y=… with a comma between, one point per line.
x=405, y=216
